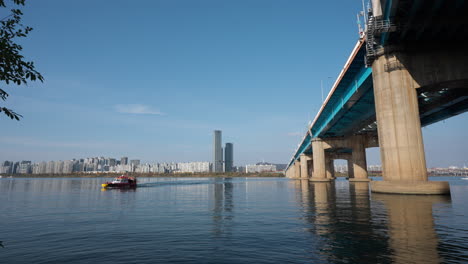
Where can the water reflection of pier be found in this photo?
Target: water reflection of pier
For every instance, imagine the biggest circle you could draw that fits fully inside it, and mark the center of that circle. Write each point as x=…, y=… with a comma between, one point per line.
x=411, y=231
x=353, y=226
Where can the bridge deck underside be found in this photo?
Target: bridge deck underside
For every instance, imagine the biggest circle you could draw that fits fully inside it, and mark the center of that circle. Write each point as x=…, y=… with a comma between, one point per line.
x=426, y=20
x=437, y=104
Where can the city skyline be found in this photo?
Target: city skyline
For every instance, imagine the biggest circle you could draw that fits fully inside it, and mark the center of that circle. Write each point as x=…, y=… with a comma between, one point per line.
x=101, y=165
x=173, y=94
x=123, y=165
x=337, y=162
x=114, y=165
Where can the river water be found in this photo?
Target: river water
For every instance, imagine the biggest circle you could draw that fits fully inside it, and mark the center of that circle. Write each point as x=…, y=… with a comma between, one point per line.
x=228, y=220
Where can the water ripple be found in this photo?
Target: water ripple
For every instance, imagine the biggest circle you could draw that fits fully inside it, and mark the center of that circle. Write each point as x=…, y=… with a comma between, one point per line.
x=227, y=220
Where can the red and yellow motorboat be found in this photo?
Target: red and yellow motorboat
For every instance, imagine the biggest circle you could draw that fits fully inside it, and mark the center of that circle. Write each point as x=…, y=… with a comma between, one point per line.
x=123, y=181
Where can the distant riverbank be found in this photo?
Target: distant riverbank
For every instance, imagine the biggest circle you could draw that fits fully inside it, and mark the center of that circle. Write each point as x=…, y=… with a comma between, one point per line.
x=110, y=175
x=187, y=175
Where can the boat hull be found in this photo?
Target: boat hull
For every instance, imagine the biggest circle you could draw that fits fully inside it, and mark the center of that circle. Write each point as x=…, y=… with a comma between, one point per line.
x=118, y=185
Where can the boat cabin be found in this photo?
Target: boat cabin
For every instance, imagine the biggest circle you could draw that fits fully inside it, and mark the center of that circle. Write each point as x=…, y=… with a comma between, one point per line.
x=120, y=180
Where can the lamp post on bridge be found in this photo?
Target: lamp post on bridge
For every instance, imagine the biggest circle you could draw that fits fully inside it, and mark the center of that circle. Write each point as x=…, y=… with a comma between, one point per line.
x=321, y=87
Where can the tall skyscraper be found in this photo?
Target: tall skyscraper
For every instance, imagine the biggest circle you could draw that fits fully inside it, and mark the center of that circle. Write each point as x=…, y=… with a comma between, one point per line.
x=124, y=160
x=217, y=151
x=229, y=157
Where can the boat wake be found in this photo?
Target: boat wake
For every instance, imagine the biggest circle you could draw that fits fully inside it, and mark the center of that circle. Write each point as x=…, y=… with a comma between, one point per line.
x=172, y=183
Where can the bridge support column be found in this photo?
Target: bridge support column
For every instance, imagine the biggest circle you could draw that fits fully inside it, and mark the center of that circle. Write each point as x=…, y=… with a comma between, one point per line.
x=310, y=166
x=297, y=169
x=330, y=169
x=359, y=160
x=318, y=150
x=399, y=129
x=288, y=173
x=350, y=169
x=304, y=166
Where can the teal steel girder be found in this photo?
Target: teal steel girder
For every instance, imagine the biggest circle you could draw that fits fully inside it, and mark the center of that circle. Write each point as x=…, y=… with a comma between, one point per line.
x=332, y=110
x=350, y=86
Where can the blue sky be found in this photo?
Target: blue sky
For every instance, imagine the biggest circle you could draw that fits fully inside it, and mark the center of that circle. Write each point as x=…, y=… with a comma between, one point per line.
x=152, y=79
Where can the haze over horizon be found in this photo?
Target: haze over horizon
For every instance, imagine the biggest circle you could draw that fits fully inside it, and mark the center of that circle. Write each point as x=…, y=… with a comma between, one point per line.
x=152, y=80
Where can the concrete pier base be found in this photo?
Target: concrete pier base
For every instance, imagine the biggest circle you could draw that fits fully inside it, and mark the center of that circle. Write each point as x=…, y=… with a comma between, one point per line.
x=410, y=187
x=359, y=180
x=319, y=179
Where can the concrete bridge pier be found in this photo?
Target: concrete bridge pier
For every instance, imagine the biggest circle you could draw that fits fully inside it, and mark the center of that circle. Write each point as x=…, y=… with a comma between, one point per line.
x=318, y=150
x=330, y=168
x=310, y=166
x=304, y=160
x=399, y=127
x=359, y=161
x=350, y=168
x=289, y=173
x=297, y=169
